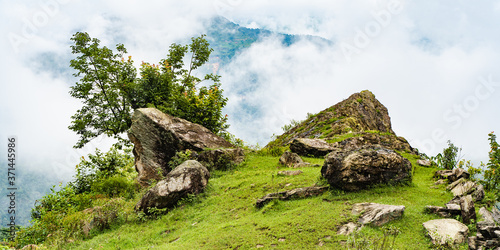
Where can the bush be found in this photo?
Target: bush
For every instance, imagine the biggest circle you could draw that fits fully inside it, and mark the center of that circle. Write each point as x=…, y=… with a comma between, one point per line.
x=449, y=158
x=115, y=186
x=179, y=158
x=101, y=166
x=73, y=210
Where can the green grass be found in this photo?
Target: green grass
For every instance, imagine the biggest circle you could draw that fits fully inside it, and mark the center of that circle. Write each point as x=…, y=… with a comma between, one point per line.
x=224, y=217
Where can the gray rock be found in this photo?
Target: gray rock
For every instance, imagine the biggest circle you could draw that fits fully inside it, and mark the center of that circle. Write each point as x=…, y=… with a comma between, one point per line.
x=305, y=164
x=188, y=178
x=221, y=158
x=495, y=212
x=348, y=228
x=311, y=147
x=294, y=193
x=377, y=214
x=425, y=163
x=488, y=235
x=158, y=136
x=478, y=195
x=442, y=174
x=446, y=231
x=464, y=188
x=290, y=159
x=472, y=242
x=389, y=141
x=443, y=211
x=456, y=183
x=451, y=206
x=364, y=167
x=440, y=182
x=290, y=173
x=468, y=211
x=458, y=173
x=486, y=215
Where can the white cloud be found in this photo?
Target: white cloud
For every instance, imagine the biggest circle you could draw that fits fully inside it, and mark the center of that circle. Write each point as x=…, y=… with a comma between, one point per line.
x=418, y=82
x=423, y=63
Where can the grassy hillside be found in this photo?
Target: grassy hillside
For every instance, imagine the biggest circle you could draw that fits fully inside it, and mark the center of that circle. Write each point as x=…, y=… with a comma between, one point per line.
x=224, y=217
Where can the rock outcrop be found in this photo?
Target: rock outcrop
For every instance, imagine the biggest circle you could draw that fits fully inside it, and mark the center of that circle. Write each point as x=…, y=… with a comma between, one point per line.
x=488, y=231
x=446, y=232
x=158, y=136
x=377, y=214
x=188, y=178
x=361, y=168
x=311, y=147
x=358, y=113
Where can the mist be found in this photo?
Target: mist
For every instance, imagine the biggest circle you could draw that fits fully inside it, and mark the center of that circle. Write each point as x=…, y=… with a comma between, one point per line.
x=433, y=65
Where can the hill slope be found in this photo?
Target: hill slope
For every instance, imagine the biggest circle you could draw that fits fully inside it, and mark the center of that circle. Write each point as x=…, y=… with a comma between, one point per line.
x=225, y=216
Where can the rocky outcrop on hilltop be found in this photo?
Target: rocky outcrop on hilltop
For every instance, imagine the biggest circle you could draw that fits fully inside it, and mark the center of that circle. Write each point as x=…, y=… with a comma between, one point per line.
x=358, y=113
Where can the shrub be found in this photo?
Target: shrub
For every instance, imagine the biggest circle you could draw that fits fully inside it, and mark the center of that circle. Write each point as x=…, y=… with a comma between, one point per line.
x=99, y=167
x=492, y=173
x=179, y=158
x=115, y=186
x=449, y=158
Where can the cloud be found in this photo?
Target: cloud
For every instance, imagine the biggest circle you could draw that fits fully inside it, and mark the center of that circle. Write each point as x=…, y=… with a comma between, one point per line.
x=423, y=65
x=427, y=60
x=35, y=104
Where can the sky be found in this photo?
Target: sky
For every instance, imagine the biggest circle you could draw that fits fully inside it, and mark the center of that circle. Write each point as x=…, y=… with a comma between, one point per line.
x=434, y=65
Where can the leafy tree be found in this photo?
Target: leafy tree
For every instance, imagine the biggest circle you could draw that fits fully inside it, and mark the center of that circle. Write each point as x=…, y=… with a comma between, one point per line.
x=103, y=77
x=110, y=89
x=449, y=158
x=492, y=173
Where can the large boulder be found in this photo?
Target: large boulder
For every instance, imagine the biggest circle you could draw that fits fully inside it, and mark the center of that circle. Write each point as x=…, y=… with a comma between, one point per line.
x=377, y=214
x=486, y=215
x=188, y=178
x=446, y=231
x=310, y=147
x=370, y=165
x=158, y=136
x=289, y=159
x=462, y=187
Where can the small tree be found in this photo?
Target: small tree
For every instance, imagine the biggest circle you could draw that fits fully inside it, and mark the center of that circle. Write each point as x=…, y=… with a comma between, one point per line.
x=110, y=89
x=102, y=78
x=492, y=172
x=449, y=158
